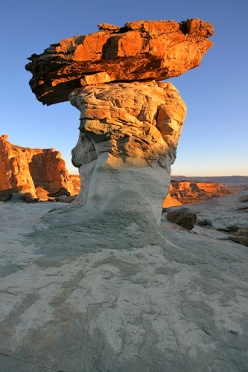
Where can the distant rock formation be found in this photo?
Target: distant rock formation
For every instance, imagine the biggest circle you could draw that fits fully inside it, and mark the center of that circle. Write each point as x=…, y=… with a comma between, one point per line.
x=141, y=50
x=130, y=123
x=187, y=192
x=34, y=171
x=236, y=183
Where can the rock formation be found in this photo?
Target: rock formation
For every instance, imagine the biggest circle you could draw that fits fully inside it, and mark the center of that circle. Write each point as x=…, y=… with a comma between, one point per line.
x=130, y=122
x=183, y=217
x=27, y=170
x=187, y=192
x=128, y=138
x=141, y=50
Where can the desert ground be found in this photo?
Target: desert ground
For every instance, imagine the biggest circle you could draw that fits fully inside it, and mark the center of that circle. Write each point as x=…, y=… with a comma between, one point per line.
x=80, y=296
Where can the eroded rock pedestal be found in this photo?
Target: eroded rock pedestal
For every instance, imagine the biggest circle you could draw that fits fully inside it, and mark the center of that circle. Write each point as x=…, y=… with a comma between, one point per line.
x=130, y=122
x=128, y=138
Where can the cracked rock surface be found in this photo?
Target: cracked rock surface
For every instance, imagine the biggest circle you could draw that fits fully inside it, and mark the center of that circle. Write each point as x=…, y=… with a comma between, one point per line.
x=128, y=137
x=76, y=297
x=141, y=50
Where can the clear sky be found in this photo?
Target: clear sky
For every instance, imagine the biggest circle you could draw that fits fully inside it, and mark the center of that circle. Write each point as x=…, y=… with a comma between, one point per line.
x=214, y=140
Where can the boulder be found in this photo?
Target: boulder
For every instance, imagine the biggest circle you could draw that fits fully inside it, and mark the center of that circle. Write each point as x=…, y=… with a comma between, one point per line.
x=183, y=217
x=141, y=50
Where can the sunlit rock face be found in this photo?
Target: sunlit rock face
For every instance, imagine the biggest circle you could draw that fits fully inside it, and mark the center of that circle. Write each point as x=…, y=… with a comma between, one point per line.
x=127, y=143
x=25, y=170
x=141, y=50
x=130, y=122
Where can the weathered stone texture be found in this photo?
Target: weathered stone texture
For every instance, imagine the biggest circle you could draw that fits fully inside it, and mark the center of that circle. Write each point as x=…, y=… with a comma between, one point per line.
x=141, y=50
x=136, y=123
x=14, y=168
x=130, y=122
x=25, y=169
x=128, y=138
x=187, y=192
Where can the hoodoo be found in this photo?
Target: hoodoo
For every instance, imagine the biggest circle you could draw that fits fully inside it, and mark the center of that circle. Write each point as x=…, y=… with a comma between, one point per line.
x=130, y=121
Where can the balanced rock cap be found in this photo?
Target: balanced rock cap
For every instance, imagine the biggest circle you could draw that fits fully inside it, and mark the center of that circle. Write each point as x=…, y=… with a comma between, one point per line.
x=139, y=51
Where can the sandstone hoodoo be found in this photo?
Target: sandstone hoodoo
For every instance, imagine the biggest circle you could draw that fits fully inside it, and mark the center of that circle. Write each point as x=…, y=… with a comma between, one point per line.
x=130, y=122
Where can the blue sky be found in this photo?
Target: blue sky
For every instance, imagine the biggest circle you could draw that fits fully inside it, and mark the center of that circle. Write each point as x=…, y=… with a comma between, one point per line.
x=214, y=140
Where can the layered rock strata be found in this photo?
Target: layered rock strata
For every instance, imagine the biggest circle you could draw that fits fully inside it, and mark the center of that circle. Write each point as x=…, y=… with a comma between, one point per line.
x=141, y=50
x=130, y=122
x=27, y=170
x=128, y=138
x=187, y=192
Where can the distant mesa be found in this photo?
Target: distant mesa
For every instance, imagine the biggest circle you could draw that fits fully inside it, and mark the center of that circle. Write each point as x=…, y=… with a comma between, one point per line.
x=188, y=192
x=139, y=51
x=130, y=121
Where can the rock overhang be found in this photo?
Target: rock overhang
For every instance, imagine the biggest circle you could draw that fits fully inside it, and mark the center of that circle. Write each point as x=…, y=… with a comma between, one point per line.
x=139, y=51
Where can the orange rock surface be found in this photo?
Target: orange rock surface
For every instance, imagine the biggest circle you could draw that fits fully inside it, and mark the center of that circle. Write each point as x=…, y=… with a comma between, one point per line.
x=34, y=171
x=141, y=50
x=187, y=192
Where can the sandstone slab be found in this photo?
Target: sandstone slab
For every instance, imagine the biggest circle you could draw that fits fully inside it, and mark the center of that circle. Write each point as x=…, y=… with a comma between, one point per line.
x=130, y=122
x=182, y=217
x=141, y=50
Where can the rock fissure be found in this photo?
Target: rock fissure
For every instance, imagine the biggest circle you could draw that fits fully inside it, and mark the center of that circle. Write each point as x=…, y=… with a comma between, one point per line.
x=28, y=362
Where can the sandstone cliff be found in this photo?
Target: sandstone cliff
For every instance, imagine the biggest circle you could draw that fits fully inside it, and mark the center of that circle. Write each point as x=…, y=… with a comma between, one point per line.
x=184, y=192
x=128, y=138
x=187, y=192
x=34, y=171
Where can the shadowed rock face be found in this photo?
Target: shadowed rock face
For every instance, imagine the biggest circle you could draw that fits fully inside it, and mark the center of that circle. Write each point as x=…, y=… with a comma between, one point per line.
x=187, y=192
x=141, y=50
